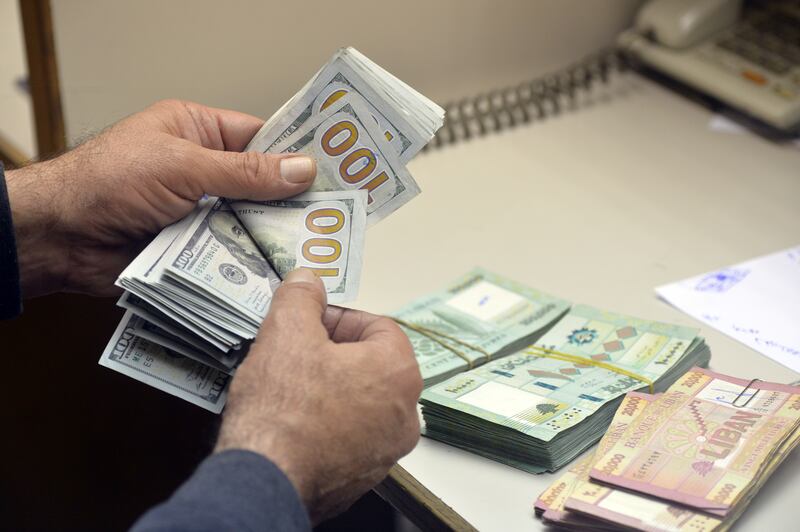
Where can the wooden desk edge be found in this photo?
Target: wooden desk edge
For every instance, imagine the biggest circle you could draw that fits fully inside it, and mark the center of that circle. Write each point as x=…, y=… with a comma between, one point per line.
x=417, y=503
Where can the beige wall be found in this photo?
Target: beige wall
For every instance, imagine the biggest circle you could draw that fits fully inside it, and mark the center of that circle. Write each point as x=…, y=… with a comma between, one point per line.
x=16, y=111
x=118, y=56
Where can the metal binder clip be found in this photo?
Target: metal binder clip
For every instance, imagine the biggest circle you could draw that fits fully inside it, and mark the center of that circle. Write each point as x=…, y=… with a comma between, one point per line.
x=744, y=390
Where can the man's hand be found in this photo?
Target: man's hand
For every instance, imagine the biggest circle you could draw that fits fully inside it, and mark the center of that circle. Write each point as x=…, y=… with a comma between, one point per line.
x=329, y=395
x=82, y=217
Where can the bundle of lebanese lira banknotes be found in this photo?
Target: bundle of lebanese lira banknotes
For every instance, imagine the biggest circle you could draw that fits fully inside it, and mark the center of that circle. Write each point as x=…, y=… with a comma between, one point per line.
x=690, y=459
x=195, y=297
x=527, y=379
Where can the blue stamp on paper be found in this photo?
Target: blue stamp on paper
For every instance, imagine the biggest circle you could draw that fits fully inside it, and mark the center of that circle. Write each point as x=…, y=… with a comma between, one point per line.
x=721, y=281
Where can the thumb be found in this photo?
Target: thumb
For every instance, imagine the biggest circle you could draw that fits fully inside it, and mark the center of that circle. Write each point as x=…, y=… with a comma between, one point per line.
x=251, y=175
x=298, y=306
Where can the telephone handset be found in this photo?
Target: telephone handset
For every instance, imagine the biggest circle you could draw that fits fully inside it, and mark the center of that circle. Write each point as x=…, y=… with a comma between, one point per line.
x=746, y=54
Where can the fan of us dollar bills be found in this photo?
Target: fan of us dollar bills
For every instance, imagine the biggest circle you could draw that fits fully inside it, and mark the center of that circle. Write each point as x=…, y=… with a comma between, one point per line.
x=197, y=294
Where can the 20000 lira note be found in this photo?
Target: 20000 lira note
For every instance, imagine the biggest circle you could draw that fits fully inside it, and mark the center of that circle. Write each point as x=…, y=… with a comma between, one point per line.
x=643, y=512
x=551, y=502
x=705, y=442
x=161, y=368
x=320, y=231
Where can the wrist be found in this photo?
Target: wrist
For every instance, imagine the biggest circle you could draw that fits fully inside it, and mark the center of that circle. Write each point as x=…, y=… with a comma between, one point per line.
x=276, y=446
x=33, y=195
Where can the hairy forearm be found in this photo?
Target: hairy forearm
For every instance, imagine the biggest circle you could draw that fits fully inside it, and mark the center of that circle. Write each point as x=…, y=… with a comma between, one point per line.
x=34, y=193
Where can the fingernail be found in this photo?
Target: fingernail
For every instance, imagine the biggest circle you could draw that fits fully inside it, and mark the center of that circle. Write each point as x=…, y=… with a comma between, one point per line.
x=300, y=275
x=298, y=169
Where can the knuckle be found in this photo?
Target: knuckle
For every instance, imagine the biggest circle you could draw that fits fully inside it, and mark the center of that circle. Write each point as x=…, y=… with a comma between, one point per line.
x=411, y=375
x=299, y=291
x=251, y=167
x=409, y=381
x=179, y=156
x=391, y=325
x=280, y=317
x=291, y=302
x=410, y=437
x=416, y=383
x=399, y=338
x=170, y=103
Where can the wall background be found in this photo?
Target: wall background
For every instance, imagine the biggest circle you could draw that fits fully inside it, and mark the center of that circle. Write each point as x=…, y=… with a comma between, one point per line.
x=16, y=112
x=117, y=57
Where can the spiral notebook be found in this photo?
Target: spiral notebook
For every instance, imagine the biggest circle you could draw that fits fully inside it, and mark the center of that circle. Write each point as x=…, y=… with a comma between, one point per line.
x=533, y=100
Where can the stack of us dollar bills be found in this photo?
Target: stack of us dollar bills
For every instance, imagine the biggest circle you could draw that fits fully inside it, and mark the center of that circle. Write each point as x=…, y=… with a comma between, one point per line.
x=195, y=297
x=525, y=378
x=690, y=459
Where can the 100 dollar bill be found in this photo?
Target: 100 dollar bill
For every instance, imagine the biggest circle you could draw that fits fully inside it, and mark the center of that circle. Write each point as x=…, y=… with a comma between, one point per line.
x=335, y=80
x=157, y=366
x=352, y=154
x=320, y=231
x=217, y=257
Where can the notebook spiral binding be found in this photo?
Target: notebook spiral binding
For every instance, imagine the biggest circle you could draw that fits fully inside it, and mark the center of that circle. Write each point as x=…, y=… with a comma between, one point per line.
x=533, y=100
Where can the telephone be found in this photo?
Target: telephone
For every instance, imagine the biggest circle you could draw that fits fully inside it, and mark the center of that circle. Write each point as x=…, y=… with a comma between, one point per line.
x=743, y=53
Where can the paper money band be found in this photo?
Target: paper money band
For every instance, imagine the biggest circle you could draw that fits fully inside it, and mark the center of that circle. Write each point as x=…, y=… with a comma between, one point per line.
x=532, y=350
x=436, y=337
x=558, y=355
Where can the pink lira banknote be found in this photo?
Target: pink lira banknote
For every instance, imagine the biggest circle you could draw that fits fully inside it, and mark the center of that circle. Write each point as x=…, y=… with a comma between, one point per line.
x=550, y=504
x=706, y=443
x=598, y=503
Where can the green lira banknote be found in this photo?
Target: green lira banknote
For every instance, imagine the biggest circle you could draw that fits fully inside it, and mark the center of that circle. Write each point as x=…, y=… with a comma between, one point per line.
x=536, y=410
x=550, y=503
x=482, y=310
x=542, y=396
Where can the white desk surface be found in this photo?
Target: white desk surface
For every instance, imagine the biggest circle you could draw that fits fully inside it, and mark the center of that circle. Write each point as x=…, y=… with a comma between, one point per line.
x=598, y=205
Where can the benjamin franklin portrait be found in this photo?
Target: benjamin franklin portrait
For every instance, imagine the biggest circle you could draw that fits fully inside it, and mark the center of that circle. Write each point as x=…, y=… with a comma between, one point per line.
x=226, y=228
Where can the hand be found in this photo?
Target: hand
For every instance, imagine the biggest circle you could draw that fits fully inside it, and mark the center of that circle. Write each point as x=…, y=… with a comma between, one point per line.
x=82, y=217
x=328, y=394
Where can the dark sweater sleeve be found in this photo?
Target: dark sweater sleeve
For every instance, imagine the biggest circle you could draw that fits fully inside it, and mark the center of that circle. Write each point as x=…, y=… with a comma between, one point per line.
x=233, y=490
x=10, y=293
